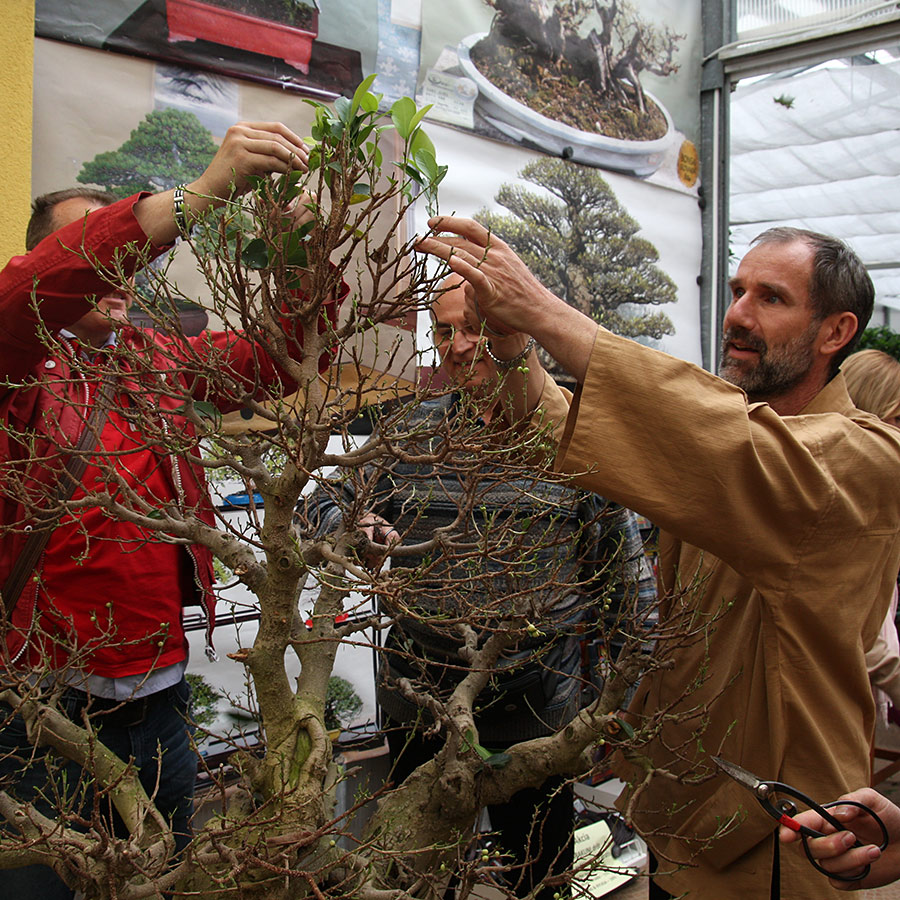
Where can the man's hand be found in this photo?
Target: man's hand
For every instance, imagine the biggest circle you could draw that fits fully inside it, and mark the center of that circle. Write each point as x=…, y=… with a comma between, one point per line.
x=381, y=536
x=503, y=291
x=836, y=853
x=249, y=148
x=506, y=297
x=298, y=213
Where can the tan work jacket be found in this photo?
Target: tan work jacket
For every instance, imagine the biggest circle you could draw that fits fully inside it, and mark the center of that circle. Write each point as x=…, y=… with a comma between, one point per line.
x=780, y=548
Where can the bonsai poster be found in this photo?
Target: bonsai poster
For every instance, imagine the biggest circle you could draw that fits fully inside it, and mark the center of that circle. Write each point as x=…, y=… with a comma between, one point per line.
x=623, y=250
x=319, y=48
x=611, y=83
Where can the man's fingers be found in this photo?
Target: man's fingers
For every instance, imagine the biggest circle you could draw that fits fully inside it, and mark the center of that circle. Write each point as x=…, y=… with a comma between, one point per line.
x=251, y=148
x=388, y=536
x=460, y=262
x=466, y=228
x=261, y=148
x=298, y=210
x=264, y=156
x=851, y=865
x=279, y=136
x=836, y=854
x=832, y=845
x=445, y=247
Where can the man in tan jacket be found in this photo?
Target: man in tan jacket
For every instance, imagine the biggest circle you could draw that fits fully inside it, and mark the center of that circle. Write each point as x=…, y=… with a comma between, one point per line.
x=780, y=514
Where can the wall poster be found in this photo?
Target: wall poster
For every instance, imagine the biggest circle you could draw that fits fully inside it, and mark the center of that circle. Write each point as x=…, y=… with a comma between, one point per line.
x=594, y=107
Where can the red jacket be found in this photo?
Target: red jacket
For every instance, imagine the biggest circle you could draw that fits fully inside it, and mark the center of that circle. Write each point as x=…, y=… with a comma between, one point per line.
x=43, y=400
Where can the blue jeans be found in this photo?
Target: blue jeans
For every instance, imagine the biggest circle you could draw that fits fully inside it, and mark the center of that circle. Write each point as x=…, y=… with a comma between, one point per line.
x=140, y=730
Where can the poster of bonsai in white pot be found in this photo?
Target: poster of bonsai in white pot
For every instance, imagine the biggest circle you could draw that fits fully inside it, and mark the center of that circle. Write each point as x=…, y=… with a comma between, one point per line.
x=565, y=77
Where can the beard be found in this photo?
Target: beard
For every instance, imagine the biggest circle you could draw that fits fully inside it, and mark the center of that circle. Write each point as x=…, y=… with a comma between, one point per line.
x=775, y=371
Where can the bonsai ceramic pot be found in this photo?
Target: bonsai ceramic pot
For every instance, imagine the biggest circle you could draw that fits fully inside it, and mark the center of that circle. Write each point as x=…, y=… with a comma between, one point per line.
x=524, y=125
x=193, y=19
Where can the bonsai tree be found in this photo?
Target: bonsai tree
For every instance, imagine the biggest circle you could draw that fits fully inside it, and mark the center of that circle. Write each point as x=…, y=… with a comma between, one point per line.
x=298, y=13
x=342, y=703
x=169, y=147
x=204, y=698
x=543, y=53
x=275, y=832
x=582, y=244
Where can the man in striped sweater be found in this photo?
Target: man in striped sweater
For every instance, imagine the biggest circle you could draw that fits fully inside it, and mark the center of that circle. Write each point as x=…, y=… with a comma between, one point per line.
x=553, y=555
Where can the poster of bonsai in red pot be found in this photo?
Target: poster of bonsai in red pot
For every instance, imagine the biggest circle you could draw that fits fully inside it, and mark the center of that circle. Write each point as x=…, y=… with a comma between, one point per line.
x=284, y=29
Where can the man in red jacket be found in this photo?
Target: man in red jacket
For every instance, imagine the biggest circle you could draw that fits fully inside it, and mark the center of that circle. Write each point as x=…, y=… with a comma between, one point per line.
x=101, y=604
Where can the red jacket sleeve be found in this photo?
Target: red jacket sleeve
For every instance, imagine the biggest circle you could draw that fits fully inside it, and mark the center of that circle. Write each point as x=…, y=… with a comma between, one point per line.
x=59, y=277
x=249, y=364
x=328, y=317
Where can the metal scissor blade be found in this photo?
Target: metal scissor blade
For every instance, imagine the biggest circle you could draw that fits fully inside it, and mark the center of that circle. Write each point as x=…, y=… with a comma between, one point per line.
x=742, y=776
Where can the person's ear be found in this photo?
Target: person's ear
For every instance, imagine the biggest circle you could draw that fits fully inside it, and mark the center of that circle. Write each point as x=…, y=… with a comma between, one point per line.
x=836, y=331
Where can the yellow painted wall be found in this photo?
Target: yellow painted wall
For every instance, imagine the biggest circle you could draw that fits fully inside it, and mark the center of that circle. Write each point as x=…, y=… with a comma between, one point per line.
x=17, y=53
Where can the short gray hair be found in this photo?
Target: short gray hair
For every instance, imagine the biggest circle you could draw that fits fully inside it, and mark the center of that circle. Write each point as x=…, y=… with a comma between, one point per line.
x=41, y=224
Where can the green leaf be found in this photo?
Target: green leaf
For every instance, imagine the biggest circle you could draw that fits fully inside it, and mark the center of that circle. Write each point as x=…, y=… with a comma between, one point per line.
x=495, y=760
x=294, y=248
x=360, y=92
x=372, y=150
x=420, y=141
x=257, y=182
x=360, y=193
x=344, y=108
x=155, y=514
x=371, y=102
x=499, y=760
x=202, y=408
x=420, y=115
x=414, y=173
x=206, y=410
x=426, y=163
x=288, y=185
x=364, y=132
x=472, y=744
x=256, y=254
x=297, y=257
x=618, y=730
x=402, y=113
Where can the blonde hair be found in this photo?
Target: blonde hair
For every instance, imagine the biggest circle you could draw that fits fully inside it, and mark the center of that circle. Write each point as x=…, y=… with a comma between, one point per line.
x=873, y=380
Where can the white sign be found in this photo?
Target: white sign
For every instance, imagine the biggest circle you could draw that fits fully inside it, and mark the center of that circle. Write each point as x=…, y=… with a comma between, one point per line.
x=594, y=845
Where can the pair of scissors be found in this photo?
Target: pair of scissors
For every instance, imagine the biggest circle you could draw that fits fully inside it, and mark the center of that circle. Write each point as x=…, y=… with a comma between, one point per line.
x=783, y=810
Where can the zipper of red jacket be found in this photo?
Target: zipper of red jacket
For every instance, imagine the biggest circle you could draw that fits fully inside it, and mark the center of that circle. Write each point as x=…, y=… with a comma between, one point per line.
x=35, y=575
x=211, y=654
